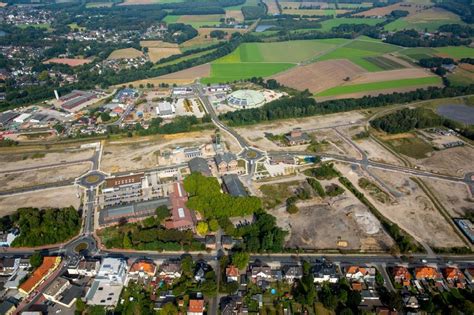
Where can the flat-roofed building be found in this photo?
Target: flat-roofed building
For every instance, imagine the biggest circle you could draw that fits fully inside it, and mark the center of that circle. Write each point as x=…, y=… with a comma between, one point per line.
x=87, y=268
x=165, y=109
x=9, y=266
x=108, y=284
x=76, y=100
x=61, y=291
x=131, y=212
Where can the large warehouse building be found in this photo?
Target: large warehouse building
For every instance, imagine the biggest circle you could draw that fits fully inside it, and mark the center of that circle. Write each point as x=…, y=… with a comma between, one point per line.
x=246, y=99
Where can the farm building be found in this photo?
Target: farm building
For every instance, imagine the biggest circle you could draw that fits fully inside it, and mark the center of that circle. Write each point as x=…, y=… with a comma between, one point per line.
x=246, y=99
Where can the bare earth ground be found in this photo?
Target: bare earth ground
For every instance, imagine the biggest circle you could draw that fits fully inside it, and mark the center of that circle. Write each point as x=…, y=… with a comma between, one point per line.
x=375, y=93
x=26, y=160
x=236, y=14
x=125, y=53
x=321, y=224
x=42, y=176
x=157, y=44
x=121, y=156
x=310, y=76
x=433, y=14
x=454, y=161
x=336, y=144
x=374, y=151
x=156, y=53
x=54, y=198
x=256, y=134
x=272, y=6
x=410, y=73
x=455, y=197
x=382, y=11
x=412, y=211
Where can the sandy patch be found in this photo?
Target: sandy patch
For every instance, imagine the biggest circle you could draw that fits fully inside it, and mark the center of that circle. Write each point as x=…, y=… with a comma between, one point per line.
x=54, y=198
x=412, y=210
x=193, y=73
x=455, y=197
x=455, y=161
x=19, y=161
x=13, y=181
x=235, y=14
x=319, y=76
x=272, y=7
x=390, y=75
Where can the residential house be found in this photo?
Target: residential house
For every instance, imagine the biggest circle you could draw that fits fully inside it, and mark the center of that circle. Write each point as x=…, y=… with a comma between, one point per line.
x=210, y=241
x=292, y=272
x=297, y=137
x=61, y=291
x=425, y=273
x=357, y=273
x=170, y=270
x=232, y=273
x=324, y=271
x=8, y=266
x=401, y=275
x=7, y=307
x=233, y=305
x=200, y=271
x=163, y=299
x=454, y=277
x=227, y=242
x=226, y=162
x=260, y=272
x=86, y=268
x=196, y=307
x=142, y=269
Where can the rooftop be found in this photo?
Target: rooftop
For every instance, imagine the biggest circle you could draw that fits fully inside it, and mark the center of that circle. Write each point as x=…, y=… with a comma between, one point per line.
x=49, y=263
x=234, y=186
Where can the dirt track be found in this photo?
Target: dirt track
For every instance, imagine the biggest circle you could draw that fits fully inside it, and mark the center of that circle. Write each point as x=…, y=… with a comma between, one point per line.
x=319, y=76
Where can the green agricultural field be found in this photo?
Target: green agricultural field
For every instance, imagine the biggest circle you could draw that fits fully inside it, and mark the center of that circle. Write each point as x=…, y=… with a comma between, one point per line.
x=329, y=24
x=456, y=52
x=291, y=52
x=171, y=19
x=357, y=52
x=228, y=72
x=418, y=53
x=375, y=86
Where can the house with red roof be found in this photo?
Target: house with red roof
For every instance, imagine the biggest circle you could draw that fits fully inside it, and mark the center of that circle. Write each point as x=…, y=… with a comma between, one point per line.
x=196, y=307
x=182, y=218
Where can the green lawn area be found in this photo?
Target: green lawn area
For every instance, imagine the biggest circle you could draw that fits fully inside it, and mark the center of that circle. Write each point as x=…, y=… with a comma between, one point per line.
x=46, y=26
x=418, y=53
x=189, y=57
x=419, y=25
x=274, y=194
x=329, y=24
x=411, y=147
x=247, y=3
x=227, y=72
x=279, y=51
x=374, y=86
x=461, y=77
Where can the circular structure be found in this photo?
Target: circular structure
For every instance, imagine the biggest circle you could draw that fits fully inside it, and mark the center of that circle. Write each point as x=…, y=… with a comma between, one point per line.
x=246, y=99
x=92, y=179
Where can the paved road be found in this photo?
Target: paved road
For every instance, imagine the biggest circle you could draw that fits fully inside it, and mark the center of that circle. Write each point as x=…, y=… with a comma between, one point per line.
x=21, y=170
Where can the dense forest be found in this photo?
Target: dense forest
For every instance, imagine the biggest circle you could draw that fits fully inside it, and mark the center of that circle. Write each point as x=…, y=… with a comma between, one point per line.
x=40, y=227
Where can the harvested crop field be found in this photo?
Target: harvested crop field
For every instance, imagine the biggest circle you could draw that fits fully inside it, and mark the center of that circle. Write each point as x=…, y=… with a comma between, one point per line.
x=382, y=11
x=234, y=14
x=157, y=44
x=310, y=76
x=156, y=54
x=193, y=73
x=411, y=73
x=454, y=161
x=272, y=6
x=125, y=53
x=72, y=62
x=54, y=198
x=384, y=63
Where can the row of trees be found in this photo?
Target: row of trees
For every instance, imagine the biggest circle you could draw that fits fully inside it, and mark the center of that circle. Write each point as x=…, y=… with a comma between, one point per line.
x=411, y=38
x=292, y=107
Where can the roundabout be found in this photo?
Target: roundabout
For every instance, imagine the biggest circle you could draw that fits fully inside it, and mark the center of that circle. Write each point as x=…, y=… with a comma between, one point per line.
x=91, y=179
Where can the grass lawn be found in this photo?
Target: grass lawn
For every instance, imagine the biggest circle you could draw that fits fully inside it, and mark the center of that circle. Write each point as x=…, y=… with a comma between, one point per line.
x=411, y=147
x=461, y=77
x=228, y=72
x=171, y=19
x=321, y=310
x=45, y=26
x=198, y=21
x=189, y=57
x=418, y=53
x=329, y=24
x=374, y=86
